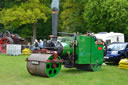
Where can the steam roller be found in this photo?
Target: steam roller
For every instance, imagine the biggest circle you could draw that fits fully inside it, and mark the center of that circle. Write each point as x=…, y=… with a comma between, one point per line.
x=81, y=51
x=8, y=38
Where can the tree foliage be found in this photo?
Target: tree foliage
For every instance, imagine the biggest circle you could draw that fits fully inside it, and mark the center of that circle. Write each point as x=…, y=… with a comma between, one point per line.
x=106, y=15
x=71, y=15
x=74, y=16
x=27, y=13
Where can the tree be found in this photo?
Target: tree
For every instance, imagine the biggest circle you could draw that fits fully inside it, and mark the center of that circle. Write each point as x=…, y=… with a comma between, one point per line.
x=10, y=3
x=28, y=12
x=106, y=15
x=72, y=16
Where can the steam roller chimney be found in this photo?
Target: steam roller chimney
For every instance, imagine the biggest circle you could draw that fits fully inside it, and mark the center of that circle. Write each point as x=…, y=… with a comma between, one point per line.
x=55, y=11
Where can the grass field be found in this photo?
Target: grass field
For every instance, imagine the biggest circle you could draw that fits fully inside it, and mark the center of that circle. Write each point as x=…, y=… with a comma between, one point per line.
x=13, y=72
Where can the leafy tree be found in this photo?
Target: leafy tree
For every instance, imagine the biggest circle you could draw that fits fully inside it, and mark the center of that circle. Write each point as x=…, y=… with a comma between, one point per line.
x=10, y=3
x=72, y=16
x=94, y=15
x=106, y=15
x=27, y=13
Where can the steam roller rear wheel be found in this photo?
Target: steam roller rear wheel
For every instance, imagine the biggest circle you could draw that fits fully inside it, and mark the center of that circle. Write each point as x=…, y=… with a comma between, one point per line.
x=94, y=67
x=7, y=40
x=89, y=67
x=4, y=41
x=35, y=66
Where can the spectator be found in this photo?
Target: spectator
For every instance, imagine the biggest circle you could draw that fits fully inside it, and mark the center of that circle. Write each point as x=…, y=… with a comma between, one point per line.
x=36, y=45
x=28, y=45
x=41, y=44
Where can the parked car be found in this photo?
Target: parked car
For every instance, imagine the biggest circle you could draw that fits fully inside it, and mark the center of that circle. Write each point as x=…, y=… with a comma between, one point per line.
x=116, y=51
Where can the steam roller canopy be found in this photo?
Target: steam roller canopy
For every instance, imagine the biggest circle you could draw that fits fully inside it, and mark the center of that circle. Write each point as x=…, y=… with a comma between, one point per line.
x=36, y=65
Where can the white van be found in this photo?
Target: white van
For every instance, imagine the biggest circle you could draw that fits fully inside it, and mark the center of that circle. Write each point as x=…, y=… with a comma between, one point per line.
x=111, y=37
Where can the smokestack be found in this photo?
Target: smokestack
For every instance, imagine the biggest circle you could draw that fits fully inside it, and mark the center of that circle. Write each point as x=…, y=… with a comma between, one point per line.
x=55, y=11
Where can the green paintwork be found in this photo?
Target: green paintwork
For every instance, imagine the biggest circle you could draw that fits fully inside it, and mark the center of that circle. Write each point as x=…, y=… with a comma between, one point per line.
x=67, y=39
x=67, y=44
x=83, y=50
x=95, y=67
x=87, y=51
x=67, y=48
x=96, y=55
x=52, y=72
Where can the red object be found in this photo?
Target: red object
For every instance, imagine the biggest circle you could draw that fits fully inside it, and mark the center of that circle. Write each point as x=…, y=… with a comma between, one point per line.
x=0, y=42
x=49, y=61
x=55, y=54
x=8, y=38
x=2, y=49
x=99, y=48
x=5, y=40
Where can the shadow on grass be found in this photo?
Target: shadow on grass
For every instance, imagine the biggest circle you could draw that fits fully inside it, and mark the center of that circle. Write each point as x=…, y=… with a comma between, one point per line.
x=29, y=76
x=112, y=64
x=74, y=71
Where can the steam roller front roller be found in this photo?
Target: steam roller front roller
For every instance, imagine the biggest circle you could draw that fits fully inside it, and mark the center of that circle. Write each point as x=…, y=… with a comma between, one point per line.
x=39, y=64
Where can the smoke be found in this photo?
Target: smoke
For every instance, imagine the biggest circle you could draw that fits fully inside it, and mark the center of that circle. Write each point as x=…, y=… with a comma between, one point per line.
x=55, y=4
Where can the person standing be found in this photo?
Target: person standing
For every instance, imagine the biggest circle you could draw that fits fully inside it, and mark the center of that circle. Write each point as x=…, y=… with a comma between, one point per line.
x=41, y=44
x=36, y=45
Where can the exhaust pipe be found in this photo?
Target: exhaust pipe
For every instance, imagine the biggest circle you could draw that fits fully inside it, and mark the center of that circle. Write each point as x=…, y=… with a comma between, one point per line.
x=55, y=11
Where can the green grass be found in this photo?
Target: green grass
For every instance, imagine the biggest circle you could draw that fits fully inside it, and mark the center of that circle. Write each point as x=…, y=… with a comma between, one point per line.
x=13, y=72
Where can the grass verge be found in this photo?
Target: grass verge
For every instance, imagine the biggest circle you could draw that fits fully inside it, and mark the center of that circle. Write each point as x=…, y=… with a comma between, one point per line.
x=13, y=72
